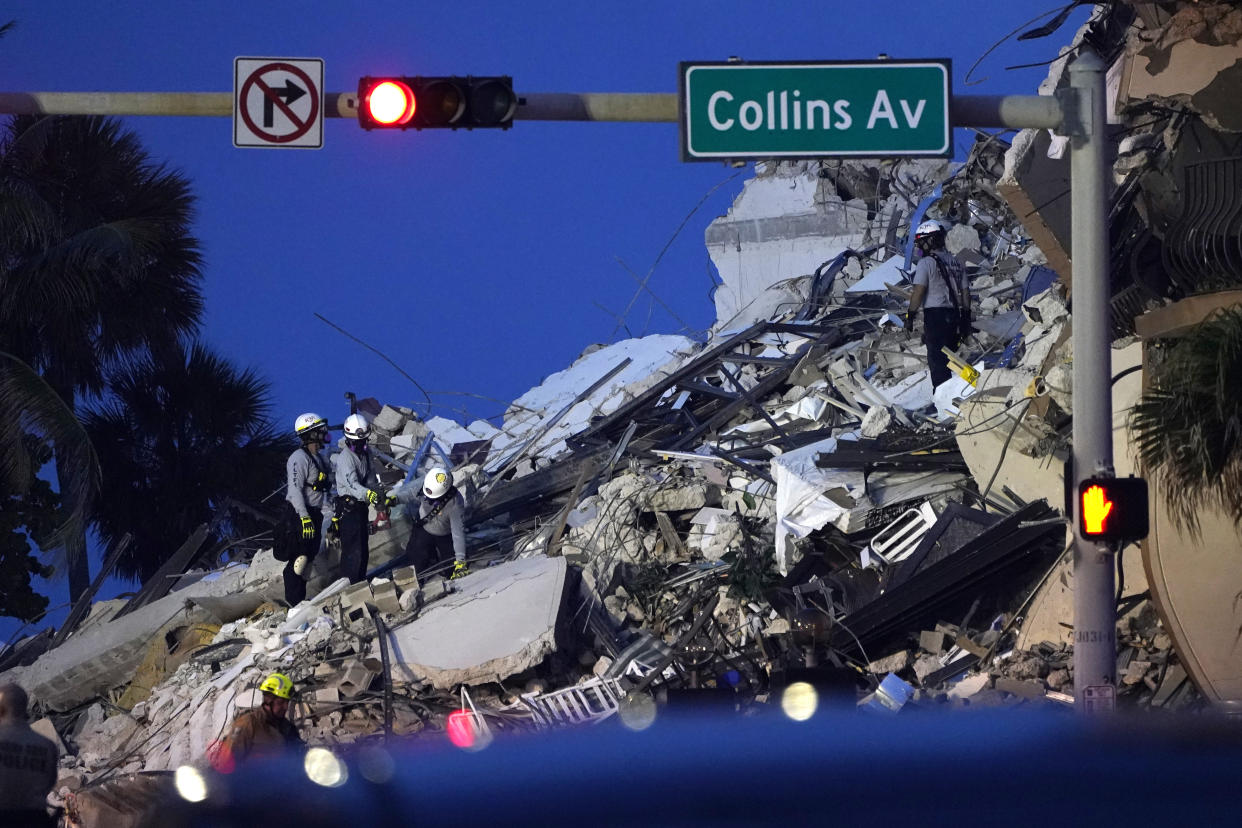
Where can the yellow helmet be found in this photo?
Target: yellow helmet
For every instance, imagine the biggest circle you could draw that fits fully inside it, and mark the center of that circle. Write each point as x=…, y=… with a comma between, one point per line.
x=278, y=684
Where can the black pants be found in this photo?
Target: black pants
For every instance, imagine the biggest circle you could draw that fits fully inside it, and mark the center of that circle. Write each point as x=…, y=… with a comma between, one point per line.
x=295, y=584
x=355, y=537
x=424, y=550
x=941, y=329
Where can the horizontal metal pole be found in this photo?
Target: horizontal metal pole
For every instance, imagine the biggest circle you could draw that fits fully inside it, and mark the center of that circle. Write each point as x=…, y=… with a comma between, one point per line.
x=1013, y=111
x=217, y=104
x=656, y=107
x=1010, y=111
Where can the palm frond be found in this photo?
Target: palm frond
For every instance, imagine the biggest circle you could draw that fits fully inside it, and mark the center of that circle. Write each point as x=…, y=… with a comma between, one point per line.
x=1188, y=424
x=30, y=408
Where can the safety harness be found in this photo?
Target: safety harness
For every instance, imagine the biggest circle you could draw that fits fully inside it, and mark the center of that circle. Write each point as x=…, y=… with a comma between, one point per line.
x=439, y=506
x=321, y=482
x=949, y=283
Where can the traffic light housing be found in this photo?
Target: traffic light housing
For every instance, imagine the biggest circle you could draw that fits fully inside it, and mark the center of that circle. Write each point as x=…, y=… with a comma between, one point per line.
x=449, y=102
x=1113, y=509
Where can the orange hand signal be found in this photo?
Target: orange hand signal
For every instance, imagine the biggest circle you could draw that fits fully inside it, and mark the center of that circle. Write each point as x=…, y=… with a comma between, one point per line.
x=1095, y=509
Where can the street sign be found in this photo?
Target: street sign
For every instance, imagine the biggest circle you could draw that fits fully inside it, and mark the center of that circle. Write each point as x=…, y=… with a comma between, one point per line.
x=815, y=110
x=278, y=102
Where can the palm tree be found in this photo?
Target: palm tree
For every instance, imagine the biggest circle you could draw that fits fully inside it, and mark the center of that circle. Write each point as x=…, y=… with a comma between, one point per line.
x=97, y=263
x=178, y=437
x=1188, y=424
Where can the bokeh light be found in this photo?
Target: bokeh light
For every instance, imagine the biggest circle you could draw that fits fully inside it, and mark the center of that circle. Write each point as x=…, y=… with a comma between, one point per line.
x=323, y=768
x=637, y=711
x=190, y=784
x=799, y=701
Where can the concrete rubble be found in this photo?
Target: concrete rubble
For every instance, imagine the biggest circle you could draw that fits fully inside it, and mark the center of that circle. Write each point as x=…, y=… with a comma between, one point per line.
x=717, y=516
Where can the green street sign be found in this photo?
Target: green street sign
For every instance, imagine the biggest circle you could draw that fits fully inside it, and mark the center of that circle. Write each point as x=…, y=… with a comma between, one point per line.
x=814, y=110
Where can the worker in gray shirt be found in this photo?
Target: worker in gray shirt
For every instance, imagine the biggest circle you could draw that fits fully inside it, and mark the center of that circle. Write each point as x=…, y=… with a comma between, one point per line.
x=439, y=527
x=307, y=493
x=357, y=488
x=27, y=764
x=943, y=293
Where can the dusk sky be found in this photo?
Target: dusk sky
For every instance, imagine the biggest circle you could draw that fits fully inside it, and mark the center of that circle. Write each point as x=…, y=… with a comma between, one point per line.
x=475, y=260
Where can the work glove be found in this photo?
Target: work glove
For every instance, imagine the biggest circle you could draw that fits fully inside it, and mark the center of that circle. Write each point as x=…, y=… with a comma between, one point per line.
x=389, y=502
x=374, y=497
x=909, y=320
x=308, y=528
x=321, y=483
x=460, y=570
x=334, y=528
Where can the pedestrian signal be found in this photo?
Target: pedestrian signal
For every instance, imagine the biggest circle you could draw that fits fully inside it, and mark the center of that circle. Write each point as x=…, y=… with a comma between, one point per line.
x=1113, y=508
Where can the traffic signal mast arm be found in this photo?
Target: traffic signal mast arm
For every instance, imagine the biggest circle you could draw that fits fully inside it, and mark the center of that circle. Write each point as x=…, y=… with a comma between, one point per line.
x=1038, y=111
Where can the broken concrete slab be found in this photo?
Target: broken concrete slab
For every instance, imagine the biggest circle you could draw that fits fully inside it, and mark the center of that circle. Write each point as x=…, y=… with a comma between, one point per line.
x=969, y=686
x=894, y=663
x=501, y=621
x=678, y=496
x=105, y=656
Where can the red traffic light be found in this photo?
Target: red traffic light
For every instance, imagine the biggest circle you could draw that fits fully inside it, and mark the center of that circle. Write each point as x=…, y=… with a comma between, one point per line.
x=1113, y=508
x=442, y=102
x=385, y=102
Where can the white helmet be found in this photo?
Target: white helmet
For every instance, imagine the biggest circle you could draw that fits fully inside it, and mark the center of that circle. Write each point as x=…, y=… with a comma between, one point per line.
x=437, y=482
x=357, y=427
x=929, y=228
x=308, y=422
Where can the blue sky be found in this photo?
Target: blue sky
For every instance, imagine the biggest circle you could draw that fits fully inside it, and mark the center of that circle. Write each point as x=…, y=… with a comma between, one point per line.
x=474, y=260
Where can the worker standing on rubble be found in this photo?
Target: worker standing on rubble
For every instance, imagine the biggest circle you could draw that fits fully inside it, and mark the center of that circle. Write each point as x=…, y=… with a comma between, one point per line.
x=942, y=292
x=263, y=731
x=308, y=485
x=28, y=764
x=357, y=488
x=439, y=527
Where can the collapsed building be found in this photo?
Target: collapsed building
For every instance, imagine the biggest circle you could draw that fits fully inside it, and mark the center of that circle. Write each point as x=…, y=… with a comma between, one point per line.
x=787, y=501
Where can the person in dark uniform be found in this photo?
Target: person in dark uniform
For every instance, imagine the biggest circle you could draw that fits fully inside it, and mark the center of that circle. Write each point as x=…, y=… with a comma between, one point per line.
x=942, y=292
x=28, y=764
x=308, y=492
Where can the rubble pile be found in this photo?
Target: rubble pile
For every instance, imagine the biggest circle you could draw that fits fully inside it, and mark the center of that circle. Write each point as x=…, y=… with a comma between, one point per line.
x=787, y=497
x=788, y=500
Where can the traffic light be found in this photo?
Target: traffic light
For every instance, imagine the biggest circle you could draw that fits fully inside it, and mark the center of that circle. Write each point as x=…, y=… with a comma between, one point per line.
x=1113, y=508
x=436, y=102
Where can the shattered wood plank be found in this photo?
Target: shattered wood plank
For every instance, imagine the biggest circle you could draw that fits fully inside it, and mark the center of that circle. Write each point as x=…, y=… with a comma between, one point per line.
x=769, y=384
x=687, y=372
x=754, y=403
x=83, y=605
x=756, y=471
x=706, y=388
x=543, y=429
x=554, y=542
x=671, y=539
x=537, y=486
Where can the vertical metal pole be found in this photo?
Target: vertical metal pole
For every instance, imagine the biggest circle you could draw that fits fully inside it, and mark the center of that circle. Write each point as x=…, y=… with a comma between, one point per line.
x=1095, y=646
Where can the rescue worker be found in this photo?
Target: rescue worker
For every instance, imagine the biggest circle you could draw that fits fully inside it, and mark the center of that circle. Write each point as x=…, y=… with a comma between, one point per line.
x=439, y=529
x=263, y=731
x=308, y=485
x=942, y=292
x=357, y=487
x=28, y=764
